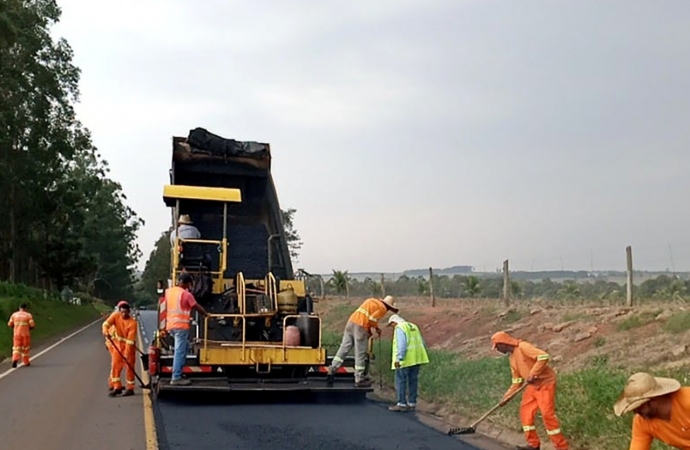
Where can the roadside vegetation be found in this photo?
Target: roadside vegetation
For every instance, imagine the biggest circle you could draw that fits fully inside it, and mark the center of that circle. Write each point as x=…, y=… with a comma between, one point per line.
x=66, y=222
x=466, y=379
x=52, y=315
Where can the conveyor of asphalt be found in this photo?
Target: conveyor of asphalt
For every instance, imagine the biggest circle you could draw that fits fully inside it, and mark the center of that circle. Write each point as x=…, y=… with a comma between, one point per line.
x=271, y=422
x=60, y=401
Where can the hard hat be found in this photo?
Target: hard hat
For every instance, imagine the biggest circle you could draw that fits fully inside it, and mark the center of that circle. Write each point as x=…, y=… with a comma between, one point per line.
x=123, y=304
x=395, y=319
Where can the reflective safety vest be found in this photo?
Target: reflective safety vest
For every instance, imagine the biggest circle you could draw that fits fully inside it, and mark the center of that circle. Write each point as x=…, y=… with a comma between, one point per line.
x=369, y=313
x=177, y=318
x=416, y=353
x=22, y=322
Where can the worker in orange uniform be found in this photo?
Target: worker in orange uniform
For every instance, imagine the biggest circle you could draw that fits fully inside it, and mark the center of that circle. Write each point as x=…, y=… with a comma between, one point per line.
x=662, y=411
x=23, y=322
x=357, y=334
x=121, y=328
x=530, y=364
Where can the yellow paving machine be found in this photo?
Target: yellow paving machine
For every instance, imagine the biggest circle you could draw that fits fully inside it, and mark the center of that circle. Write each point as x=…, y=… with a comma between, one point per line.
x=262, y=332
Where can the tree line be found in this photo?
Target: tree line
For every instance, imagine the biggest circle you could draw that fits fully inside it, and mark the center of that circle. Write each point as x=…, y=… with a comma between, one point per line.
x=473, y=286
x=66, y=223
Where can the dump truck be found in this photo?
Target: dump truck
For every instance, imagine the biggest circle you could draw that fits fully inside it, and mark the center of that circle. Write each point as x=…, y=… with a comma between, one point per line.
x=262, y=332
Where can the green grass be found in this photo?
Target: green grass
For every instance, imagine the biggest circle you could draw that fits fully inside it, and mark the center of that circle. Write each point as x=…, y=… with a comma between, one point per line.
x=572, y=317
x=512, y=316
x=600, y=341
x=679, y=323
x=584, y=399
x=52, y=318
x=636, y=321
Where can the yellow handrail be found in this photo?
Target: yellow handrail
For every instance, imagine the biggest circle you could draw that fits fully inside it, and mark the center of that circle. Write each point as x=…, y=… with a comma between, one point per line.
x=241, y=292
x=223, y=316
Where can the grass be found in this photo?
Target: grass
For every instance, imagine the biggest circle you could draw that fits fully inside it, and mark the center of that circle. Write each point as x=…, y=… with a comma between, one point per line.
x=636, y=321
x=471, y=387
x=572, y=317
x=52, y=318
x=679, y=323
x=600, y=341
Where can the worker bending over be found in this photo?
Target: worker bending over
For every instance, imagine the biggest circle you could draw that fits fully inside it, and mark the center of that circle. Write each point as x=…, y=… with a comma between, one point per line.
x=662, y=411
x=409, y=354
x=530, y=364
x=22, y=322
x=120, y=329
x=357, y=333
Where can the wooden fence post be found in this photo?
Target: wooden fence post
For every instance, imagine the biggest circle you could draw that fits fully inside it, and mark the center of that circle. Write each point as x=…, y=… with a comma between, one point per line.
x=431, y=287
x=506, y=283
x=628, y=254
x=383, y=286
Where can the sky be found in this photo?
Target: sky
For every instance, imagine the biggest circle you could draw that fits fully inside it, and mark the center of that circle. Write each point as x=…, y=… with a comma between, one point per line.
x=410, y=134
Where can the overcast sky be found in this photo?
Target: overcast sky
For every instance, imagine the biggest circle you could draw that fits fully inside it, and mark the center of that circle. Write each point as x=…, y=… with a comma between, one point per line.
x=413, y=133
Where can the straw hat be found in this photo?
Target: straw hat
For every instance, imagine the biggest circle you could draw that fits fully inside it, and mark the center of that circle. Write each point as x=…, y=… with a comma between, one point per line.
x=642, y=387
x=390, y=303
x=395, y=319
x=185, y=220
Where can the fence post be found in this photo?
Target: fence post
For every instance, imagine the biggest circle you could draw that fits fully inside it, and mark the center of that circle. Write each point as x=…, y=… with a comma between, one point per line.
x=431, y=287
x=628, y=254
x=383, y=286
x=506, y=283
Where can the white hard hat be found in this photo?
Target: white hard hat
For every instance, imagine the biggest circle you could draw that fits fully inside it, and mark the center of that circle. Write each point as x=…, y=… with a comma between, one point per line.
x=395, y=319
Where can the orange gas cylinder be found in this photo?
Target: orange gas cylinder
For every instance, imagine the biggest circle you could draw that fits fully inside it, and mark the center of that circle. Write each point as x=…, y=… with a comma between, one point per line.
x=292, y=338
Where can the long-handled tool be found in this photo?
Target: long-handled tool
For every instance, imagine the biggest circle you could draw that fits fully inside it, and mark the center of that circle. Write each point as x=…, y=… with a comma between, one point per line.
x=142, y=385
x=380, y=360
x=473, y=427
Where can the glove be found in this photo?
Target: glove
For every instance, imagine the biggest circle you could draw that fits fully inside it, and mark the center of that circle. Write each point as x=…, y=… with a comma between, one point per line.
x=397, y=364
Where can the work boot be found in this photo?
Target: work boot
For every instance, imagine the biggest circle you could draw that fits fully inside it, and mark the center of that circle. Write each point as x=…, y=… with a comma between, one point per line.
x=14, y=364
x=411, y=407
x=115, y=392
x=526, y=447
x=181, y=382
x=398, y=408
x=363, y=383
x=128, y=393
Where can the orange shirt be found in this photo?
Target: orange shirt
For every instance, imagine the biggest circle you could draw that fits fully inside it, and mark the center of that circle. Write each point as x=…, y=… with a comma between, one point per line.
x=22, y=322
x=528, y=360
x=675, y=432
x=122, y=331
x=369, y=313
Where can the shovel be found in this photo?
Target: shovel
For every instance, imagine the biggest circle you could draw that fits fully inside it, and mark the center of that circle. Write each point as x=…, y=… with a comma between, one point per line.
x=473, y=427
x=142, y=385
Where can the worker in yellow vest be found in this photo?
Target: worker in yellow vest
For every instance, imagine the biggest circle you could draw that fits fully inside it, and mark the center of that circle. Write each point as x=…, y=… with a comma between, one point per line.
x=409, y=353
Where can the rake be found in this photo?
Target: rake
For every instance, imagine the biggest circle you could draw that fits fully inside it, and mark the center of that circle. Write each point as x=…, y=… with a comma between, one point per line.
x=473, y=427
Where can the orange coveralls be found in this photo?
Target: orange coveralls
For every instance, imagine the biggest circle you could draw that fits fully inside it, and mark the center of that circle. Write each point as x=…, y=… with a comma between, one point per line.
x=23, y=323
x=673, y=432
x=529, y=361
x=123, y=332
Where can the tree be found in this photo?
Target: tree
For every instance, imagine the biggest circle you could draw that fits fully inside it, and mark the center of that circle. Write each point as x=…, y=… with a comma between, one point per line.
x=292, y=238
x=472, y=286
x=67, y=222
x=339, y=281
x=157, y=268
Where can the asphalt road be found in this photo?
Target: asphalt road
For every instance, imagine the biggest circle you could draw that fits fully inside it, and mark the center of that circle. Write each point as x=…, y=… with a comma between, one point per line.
x=322, y=422
x=60, y=402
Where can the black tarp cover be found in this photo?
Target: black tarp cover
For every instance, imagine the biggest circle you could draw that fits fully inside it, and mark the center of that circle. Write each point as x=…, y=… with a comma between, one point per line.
x=202, y=139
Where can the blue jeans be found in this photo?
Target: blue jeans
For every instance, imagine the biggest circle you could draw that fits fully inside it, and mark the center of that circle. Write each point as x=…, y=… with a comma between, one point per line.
x=406, y=382
x=180, y=355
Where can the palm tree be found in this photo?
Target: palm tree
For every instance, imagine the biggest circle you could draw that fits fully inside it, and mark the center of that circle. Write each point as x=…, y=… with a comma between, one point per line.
x=340, y=282
x=472, y=286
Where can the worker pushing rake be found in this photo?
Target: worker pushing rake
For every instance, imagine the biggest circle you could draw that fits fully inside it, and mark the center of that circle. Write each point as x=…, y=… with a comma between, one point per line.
x=531, y=375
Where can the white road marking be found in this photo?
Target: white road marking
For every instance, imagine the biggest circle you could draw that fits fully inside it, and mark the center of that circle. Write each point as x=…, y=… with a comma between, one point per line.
x=7, y=372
